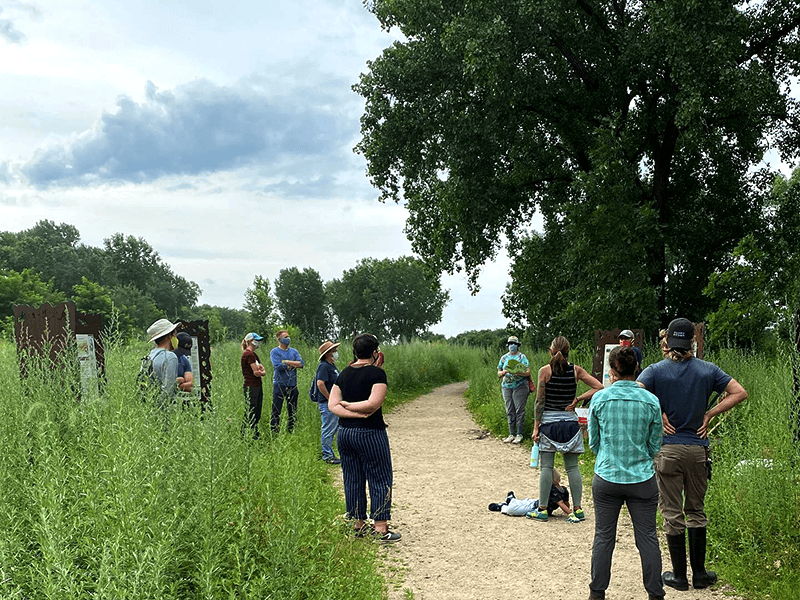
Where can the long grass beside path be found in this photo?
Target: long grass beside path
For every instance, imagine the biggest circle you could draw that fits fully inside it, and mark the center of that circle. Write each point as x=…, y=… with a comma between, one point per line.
x=753, y=501
x=106, y=498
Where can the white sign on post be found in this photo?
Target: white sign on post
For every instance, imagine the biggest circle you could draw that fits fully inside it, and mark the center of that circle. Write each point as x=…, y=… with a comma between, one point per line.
x=87, y=359
x=606, y=366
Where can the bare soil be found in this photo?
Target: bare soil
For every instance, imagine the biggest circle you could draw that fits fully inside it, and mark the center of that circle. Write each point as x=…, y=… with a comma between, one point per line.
x=446, y=472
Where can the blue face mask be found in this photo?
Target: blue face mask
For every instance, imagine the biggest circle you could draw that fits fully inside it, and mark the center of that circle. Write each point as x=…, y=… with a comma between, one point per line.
x=513, y=347
x=286, y=341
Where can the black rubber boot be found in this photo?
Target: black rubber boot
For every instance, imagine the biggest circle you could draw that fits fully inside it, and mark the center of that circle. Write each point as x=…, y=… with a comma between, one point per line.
x=676, y=578
x=697, y=557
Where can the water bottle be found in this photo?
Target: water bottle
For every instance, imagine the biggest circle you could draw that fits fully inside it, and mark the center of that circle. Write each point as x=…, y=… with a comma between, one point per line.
x=535, y=456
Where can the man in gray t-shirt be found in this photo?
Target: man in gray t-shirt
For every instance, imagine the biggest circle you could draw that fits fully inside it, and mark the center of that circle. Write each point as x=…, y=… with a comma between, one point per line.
x=165, y=362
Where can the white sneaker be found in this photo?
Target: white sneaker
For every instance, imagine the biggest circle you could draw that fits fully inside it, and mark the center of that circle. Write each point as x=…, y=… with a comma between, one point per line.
x=517, y=440
x=508, y=439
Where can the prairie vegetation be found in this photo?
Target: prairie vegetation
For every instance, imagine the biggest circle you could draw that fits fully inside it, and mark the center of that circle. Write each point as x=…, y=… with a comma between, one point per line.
x=105, y=499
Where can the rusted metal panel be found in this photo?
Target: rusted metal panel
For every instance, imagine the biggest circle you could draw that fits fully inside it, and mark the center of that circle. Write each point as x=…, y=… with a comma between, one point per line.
x=602, y=337
x=199, y=330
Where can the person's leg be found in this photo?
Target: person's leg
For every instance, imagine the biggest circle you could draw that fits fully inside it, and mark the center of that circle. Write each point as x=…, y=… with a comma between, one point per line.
x=695, y=481
x=546, y=461
x=508, y=398
x=520, y=401
x=253, y=397
x=642, y=501
x=607, y=503
x=330, y=423
x=377, y=460
x=670, y=476
x=574, y=478
x=291, y=407
x=353, y=474
x=520, y=507
x=277, y=407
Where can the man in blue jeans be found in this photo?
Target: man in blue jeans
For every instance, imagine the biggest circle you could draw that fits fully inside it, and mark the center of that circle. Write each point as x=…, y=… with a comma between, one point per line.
x=323, y=382
x=285, y=362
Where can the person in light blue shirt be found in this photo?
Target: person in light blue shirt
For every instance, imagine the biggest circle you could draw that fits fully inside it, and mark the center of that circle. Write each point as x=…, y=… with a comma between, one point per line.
x=515, y=389
x=164, y=362
x=625, y=433
x=285, y=362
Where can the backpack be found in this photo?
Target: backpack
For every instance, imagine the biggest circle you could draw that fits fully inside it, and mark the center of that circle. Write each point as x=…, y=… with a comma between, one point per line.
x=148, y=384
x=312, y=391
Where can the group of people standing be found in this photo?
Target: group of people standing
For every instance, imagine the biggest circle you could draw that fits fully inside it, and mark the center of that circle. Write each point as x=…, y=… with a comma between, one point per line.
x=650, y=437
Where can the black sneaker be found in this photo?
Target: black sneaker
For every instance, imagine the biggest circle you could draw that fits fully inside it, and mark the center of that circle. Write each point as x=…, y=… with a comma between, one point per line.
x=510, y=497
x=389, y=537
x=495, y=507
x=333, y=460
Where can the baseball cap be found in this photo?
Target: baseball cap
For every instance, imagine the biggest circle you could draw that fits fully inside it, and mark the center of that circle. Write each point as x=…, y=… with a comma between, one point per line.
x=626, y=333
x=680, y=334
x=253, y=336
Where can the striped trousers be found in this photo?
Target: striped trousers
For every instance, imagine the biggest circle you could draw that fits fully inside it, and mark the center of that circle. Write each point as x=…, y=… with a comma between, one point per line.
x=366, y=459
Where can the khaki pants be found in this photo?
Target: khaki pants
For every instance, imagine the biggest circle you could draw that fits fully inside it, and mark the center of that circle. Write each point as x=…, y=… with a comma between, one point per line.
x=682, y=485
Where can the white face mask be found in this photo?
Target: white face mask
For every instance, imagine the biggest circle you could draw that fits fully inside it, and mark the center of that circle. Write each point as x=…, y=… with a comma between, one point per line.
x=256, y=343
x=335, y=356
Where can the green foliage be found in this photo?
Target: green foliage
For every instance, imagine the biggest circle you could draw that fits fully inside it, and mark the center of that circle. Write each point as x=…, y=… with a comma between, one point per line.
x=25, y=287
x=489, y=339
x=633, y=129
x=301, y=301
x=394, y=299
x=258, y=301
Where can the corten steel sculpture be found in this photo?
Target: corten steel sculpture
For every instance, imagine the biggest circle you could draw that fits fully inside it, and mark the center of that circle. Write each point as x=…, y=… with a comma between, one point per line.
x=200, y=331
x=51, y=329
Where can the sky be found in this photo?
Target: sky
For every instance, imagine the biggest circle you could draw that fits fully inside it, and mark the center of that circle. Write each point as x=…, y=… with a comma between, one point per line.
x=221, y=133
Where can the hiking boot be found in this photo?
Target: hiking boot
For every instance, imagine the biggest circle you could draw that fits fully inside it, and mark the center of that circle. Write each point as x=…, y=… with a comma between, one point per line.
x=579, y=514
x=538, y=515
x=509, y=439
x=697, y=557
x=517, y=440
x=597, y=595
x=389, y=537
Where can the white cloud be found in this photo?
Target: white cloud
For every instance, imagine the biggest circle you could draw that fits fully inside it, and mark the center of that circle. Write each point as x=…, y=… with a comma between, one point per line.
x=198, y=128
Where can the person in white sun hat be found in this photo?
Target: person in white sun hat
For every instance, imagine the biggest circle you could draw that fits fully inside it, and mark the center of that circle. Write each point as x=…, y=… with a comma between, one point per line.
x=163, y=360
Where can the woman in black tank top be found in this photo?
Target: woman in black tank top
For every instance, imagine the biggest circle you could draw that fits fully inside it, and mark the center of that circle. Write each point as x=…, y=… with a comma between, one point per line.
x=556, y=427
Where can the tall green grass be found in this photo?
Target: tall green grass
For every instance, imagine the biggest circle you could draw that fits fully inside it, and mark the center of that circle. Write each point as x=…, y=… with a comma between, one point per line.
x=107, y=498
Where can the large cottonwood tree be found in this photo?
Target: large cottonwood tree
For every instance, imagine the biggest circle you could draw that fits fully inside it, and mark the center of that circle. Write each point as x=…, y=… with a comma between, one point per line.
x=632, y=126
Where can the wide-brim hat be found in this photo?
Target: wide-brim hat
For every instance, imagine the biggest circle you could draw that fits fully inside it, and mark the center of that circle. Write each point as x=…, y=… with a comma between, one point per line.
x=161, y=328
x=680, y=334
x=326, y=347
x=626, y=333
x=512, y=340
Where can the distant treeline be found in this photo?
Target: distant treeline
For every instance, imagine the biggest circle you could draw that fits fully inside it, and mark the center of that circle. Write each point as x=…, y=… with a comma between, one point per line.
x=130, y=285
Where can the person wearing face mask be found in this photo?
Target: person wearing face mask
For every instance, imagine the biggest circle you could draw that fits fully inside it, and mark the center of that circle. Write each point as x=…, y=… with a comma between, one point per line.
x=323, y=382
x=253, y=371
x=626, y=340
x=164, y=362
x=285, y=362
x=515, y=390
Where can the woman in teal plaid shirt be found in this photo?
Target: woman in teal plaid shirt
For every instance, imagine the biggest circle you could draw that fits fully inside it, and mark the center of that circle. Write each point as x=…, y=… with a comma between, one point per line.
x=625, y=433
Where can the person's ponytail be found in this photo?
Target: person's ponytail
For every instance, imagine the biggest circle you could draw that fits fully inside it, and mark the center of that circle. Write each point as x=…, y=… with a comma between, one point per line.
x=559, y=349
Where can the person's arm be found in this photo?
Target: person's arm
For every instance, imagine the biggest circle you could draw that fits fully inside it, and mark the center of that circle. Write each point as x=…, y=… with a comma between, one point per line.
x=323, y=389
x=564, y=506
x=376, y=397
x=188, y=382
x=277, y=364
x=335, y=405
x=295, y=364
x=735, y=393
x=538, y=411
x=500, y=370
x=594, y=431
x=257, y=368
x=594, y=385
x=169, y=374
x=656, y=435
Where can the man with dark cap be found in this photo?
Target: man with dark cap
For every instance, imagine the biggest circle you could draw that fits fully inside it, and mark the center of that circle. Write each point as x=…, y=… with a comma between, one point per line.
x=683, y=385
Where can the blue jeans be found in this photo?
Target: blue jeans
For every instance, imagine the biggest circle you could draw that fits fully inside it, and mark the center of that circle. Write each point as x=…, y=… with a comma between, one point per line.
x=330, y=424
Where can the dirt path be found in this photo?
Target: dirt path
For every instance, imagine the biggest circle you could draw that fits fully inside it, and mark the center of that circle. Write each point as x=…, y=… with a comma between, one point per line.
x=453, y=548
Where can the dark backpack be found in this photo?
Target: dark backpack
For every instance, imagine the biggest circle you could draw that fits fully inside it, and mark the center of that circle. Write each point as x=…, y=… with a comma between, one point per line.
x=312, y=391
x=148, y=383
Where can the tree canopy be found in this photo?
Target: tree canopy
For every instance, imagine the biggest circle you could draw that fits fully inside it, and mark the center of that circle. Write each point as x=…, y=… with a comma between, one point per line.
x=393, y=299
x=633, y=128
x=301, y=301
